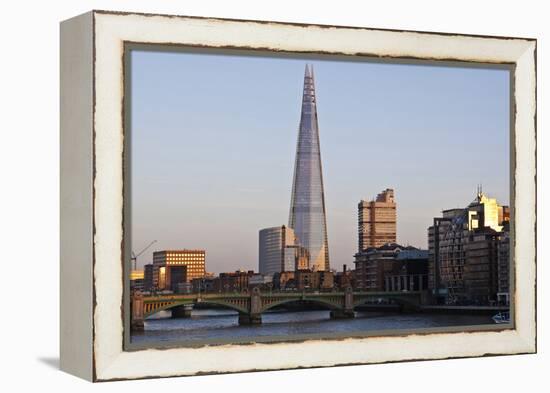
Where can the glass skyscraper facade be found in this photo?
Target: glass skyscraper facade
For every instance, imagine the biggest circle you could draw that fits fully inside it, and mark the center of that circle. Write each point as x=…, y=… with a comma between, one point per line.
x=276, y=250
x=307, y=207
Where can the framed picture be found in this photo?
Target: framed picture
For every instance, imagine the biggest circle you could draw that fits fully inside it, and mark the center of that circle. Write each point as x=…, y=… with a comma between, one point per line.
x=247, y=195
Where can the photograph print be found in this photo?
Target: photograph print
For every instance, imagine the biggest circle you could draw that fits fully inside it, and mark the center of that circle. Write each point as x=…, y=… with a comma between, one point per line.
x=281, y=197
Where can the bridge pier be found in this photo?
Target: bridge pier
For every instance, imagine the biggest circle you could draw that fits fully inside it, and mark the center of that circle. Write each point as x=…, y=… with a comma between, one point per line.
x=250, y=319
x=137, y=326
x=347, y=312
x=137, y=320
x=182, y=311
x=426, y=298
x=254, y=316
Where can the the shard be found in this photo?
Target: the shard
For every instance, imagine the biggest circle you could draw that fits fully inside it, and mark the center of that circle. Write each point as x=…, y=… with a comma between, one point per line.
x=307, y=206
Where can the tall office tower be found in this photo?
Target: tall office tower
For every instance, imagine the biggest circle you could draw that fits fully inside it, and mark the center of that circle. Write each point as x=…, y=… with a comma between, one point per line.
x=377, y=221
x=277, y=250
x=307, y=207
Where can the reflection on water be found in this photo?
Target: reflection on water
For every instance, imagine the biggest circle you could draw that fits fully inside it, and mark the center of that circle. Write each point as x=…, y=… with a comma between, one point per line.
x=223, y=324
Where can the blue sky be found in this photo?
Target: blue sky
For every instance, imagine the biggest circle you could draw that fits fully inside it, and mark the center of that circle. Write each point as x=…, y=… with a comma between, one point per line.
x=214, y=138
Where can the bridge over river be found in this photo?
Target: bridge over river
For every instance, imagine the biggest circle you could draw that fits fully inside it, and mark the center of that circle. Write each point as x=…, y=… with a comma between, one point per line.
x=250, y=306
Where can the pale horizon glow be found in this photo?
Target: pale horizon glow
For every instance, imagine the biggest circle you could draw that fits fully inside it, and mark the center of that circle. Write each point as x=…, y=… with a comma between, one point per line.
x=214, y=138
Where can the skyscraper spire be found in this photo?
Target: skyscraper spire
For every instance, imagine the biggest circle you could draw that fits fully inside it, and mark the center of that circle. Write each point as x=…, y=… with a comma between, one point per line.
x=307, y=208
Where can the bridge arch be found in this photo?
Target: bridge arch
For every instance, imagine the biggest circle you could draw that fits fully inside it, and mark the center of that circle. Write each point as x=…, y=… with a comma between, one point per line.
x=228, y=305
x=321, y=302
x=407, y=303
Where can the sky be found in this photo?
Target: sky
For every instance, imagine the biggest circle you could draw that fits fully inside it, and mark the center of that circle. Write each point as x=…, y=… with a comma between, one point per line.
x=213, y=139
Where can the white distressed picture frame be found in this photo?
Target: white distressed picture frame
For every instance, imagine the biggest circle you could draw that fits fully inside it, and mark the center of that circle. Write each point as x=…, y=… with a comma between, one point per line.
x=92, y=151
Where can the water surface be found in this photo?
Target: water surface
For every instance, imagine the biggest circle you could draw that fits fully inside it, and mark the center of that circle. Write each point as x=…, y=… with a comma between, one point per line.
x=223, y=325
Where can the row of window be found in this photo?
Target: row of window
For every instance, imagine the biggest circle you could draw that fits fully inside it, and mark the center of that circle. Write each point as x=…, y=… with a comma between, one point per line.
x=194, y=263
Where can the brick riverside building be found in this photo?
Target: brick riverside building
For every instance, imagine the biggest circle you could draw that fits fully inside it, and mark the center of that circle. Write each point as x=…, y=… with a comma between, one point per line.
x=304, y=280
x=233, y=281
x=313, y=280
x=344, y=279
x=237, y=281
x=391, y=267
x=377, y=221
x=284, y=281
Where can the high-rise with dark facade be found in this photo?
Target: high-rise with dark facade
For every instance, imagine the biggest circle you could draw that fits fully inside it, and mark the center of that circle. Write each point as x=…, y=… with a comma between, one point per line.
x=307, y=206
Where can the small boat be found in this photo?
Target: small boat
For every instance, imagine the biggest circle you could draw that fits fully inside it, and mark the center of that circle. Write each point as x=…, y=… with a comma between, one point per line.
x=502, y=317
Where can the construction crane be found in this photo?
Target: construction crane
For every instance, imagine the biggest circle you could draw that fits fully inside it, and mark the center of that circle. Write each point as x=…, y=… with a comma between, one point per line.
x=135, y=257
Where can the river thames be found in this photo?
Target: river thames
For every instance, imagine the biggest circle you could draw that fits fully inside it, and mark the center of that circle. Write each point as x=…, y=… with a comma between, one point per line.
x=213, y=324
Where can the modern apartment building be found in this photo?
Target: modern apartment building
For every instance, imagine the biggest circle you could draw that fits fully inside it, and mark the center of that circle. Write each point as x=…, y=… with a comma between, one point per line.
x=464, y=252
